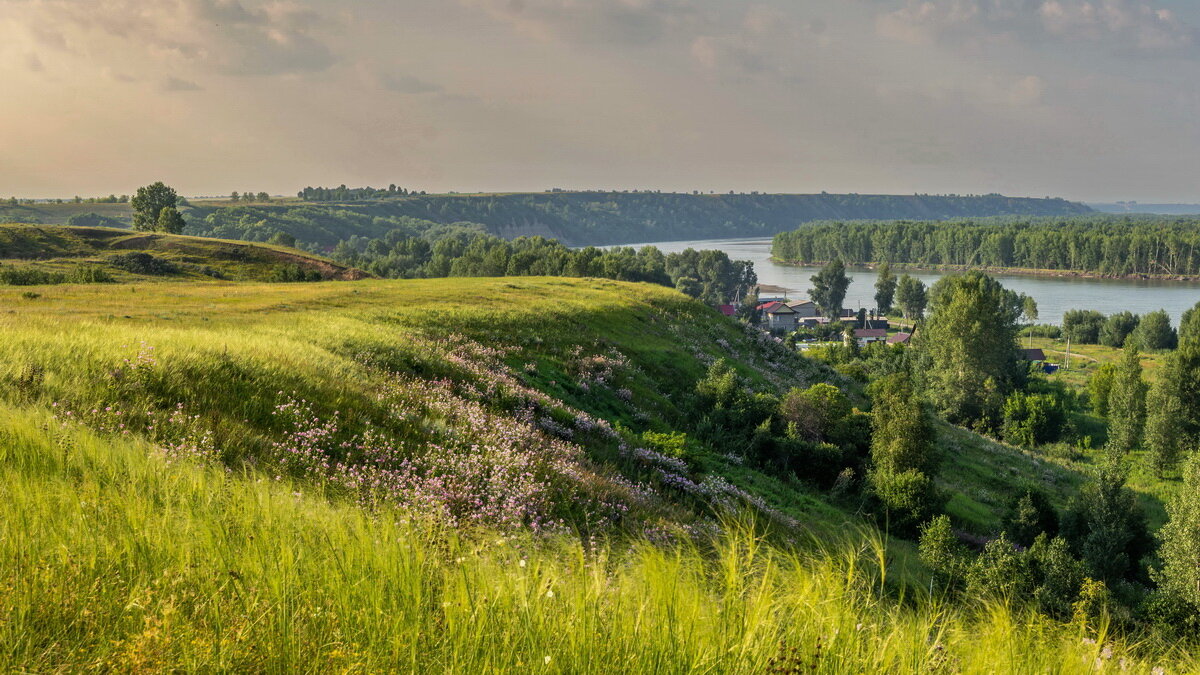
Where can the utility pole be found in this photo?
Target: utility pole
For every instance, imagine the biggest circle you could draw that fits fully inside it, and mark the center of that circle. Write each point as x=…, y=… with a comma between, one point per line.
x=1068, y=364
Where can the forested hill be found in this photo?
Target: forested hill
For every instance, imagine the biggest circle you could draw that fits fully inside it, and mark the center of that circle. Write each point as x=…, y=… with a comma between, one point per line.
x=595, y=218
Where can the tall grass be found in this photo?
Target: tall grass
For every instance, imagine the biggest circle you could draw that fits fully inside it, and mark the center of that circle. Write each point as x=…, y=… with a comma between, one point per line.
x=115, y=559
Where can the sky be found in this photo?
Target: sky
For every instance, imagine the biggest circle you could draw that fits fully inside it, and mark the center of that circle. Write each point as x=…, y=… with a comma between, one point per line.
x=1092, y=100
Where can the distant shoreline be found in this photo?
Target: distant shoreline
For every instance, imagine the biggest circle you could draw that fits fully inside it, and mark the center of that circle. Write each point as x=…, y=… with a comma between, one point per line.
x=1015, y=271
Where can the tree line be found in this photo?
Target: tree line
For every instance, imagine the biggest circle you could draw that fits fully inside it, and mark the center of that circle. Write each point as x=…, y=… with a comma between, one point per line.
x=342, y=193
x=1096, y=244
x=463, y=252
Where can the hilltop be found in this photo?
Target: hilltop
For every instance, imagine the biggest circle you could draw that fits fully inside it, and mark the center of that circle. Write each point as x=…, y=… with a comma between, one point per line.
x=34, y=254
x=575, y=218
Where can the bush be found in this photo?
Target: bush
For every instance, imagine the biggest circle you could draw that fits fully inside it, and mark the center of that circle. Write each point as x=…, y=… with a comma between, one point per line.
x=29, y=276
x=143, y=263
x=290, y=273
x=1117, y=328
x=1033, y=419
x=908, y=498
x=90, y=274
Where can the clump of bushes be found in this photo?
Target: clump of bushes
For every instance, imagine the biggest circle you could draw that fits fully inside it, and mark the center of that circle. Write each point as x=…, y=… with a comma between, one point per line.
x=294, y=272
x=143, y=263
x=32, y=276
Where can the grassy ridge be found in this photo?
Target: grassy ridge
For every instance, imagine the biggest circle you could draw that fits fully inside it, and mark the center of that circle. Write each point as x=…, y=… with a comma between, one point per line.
x=55, y=249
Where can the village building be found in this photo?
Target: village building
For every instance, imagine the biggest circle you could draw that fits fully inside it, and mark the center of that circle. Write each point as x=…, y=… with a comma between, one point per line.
x=866, y=336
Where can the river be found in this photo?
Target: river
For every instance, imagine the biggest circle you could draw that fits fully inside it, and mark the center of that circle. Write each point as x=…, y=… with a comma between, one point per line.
x=1054, y=295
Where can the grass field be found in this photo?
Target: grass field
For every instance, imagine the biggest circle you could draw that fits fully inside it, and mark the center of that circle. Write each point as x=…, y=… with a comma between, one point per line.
x=347, y=477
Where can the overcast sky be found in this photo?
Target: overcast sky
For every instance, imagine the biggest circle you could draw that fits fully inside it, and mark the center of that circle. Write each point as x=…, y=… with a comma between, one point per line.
x=1086, y=99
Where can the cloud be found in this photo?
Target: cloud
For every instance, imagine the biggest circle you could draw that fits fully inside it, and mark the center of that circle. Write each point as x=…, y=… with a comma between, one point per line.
x=176, y=84
x=1140, y=25
x=628, y=22
x=407, y=84
x=33, y=63
x=223, y=36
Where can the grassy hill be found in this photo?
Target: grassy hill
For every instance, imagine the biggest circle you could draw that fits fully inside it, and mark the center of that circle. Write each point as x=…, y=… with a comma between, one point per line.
x=448, y=475
x=31, y=254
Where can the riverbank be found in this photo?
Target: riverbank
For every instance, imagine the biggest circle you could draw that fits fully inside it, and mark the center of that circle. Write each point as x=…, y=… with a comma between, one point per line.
x=1007, y=271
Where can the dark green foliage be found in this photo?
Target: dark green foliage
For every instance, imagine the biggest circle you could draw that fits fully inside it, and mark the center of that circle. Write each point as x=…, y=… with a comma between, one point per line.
x=1057, y=576
x=93, y=220
x=1083, y=325
x=1032, y=419
x=885, y=289
x=1127, y=403
x=143, y=263
x=29, y=276
x=289, y=273
x=1031, y=514
x=1117, y=328
x=148, y=205
x=911, y=297
x=1001, y=571
x=829, y=288
x=1100, y=244
x=1154, y=332
x=1107, y=527
x=970, y=349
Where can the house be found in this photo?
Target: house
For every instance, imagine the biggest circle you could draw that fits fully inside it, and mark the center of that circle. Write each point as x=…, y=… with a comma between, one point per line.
x=899, y=338
x=727, y=310
x=805, y=309
x=866, y=336
x=780, y=317
x=1033, y=355
x=876, y=323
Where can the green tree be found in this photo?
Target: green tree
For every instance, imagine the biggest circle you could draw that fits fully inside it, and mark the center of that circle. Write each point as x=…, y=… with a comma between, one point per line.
x=903, y=455
x=1154, y=331
x=1189, y=325
x=235, y=196
x=1166, y=419
x=829, y=288
x=969, y=347
x=1107, y=527
x=885, y=289
x=282, y=239
x=911, y=296
x=1117, y=328
x=1029, y=516
x=1083, y=325
x=941, y=551
x=149, y=203
x=1127, y=403
x=1179, y=574
x=170, y=221
x=1100, y=388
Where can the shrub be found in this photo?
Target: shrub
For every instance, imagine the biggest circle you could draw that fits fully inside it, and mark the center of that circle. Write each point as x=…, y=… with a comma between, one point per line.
x=29, y=276
x=293, y=273
x=908, y=498
x=139, y=262
x=1032, y=419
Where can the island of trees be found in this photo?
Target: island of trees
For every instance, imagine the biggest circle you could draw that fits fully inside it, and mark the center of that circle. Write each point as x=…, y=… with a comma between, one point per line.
x=1088, y=244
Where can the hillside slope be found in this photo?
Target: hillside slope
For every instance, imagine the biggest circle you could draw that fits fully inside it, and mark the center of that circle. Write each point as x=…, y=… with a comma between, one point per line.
x=124, y=254
x=243, y=477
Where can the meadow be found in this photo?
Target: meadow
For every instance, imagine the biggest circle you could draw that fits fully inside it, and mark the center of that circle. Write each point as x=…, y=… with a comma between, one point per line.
x=445, y=475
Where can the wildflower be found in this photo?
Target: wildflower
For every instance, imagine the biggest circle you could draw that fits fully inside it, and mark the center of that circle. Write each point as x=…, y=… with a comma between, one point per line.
x=547, y=659
x=521, y=562
x=549, y=594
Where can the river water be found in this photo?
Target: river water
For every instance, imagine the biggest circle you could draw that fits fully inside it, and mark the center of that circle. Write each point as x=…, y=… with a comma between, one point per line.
x=1054, y=295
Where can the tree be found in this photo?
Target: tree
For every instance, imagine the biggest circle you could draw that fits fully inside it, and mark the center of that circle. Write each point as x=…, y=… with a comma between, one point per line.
x=1117, y=328
x=1100, y=388
x=263, y=197
x=1165, y=420
x=902, y=452
x=1107, y=527
x=1029, y=308
x=885, y=289
x=235, y=196
x=148, y=204
x=1189, y=325
x=170, y=221
x=829, y=288
x=1127, y=403
x=911, y=296
x=969, y=347
x=1155, y=332
x=1030, y=515
x=1180, y=550
x=1083, y=325
x=282, y=239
